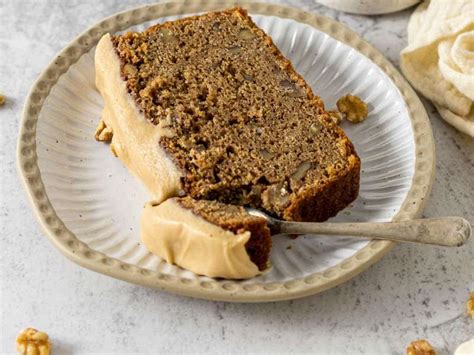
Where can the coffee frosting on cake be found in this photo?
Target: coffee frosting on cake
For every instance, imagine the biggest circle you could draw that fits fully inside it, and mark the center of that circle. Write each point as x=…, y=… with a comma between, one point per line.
x=135, y=139
x=201, y=238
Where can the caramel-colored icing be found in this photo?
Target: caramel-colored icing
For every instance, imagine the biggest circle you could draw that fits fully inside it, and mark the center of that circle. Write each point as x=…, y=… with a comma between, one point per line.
x=181, y=237
x=135, y=140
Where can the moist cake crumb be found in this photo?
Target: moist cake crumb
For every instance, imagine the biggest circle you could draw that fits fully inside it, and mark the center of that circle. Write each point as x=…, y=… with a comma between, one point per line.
x=246, y=129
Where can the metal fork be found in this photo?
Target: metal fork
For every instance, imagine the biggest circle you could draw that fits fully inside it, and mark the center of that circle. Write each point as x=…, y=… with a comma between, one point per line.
x=442, y=231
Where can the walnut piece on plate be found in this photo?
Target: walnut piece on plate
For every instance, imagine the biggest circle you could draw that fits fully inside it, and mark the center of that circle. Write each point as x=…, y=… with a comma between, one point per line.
x=103, y=133
x=2, y=99
x=420, y=347
x=354, y=109
x=470, y=305
x=33, y=342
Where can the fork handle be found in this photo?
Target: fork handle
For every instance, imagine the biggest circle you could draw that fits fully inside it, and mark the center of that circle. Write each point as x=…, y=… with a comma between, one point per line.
x=444, y=231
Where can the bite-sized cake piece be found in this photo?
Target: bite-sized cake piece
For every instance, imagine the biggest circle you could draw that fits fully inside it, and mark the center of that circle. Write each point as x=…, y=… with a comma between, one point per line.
x=207, y=237
x=208, y=107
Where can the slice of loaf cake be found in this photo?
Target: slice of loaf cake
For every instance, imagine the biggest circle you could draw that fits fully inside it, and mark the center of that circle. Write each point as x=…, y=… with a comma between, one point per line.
x=208, y=107
x=207, y=237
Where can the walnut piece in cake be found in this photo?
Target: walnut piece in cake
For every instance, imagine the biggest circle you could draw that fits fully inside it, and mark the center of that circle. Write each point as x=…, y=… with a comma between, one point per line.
x=420, y=347
x=354, y=109
x=335, y=116
x=33, y=342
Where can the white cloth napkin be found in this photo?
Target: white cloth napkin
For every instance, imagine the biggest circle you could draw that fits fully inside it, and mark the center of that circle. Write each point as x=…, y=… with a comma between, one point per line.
x=439, y=58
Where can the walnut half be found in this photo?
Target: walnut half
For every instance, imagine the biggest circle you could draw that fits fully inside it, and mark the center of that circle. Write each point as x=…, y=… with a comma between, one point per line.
x=354, y=109
x=33, y=342
x=420, y=347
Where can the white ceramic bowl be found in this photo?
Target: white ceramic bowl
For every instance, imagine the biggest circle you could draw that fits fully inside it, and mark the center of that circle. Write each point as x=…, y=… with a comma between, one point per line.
x=369, y=7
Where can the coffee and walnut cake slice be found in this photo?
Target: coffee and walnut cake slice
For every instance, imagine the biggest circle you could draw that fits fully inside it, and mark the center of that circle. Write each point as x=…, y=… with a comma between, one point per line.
x=208, y=107
x=207, y=237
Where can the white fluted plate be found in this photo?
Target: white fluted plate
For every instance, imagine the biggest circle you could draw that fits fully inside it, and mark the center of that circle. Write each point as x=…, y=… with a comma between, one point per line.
x=90, y=204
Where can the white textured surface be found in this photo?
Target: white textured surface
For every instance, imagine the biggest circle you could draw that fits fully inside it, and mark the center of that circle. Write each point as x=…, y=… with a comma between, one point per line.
x=413, y=292
x=100, y=201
